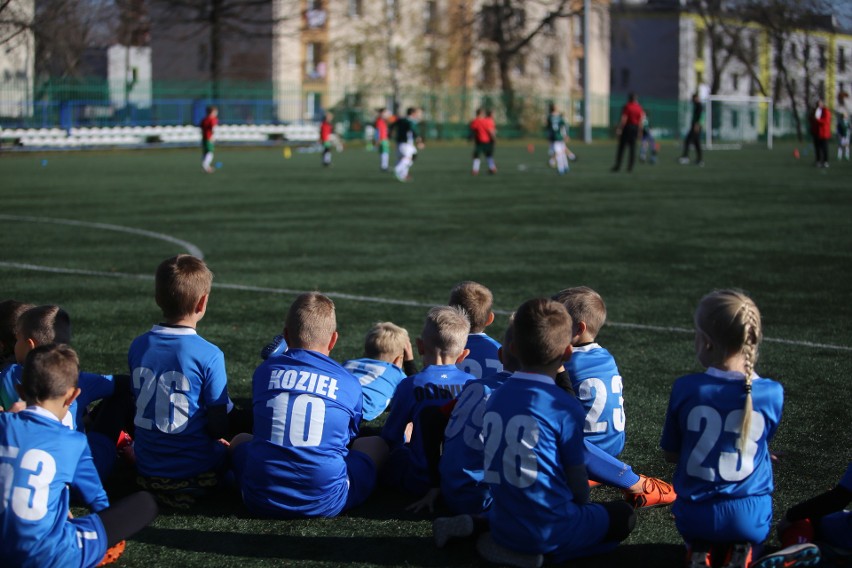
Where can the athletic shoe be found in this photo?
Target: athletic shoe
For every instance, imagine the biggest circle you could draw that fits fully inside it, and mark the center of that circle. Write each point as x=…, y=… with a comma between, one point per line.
x=655, y=493
x=492, y=171
x=445, y=528
x=593, y=483
x=797, y=555
x=124, y=448
x=738, y=555
x=113, y=554
x=798, y=532
x=497, y=554
x=276, y=347
x=698, y=555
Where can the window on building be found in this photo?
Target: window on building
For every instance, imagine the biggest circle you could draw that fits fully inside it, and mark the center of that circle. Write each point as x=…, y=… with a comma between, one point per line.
x=550, y=65
x=549, y=28
x=580, y=75
x=700, y=40
x=315, y=14
x=625, y=77
x=354, y=59
x=841, y=59
x=577, y=28
x=822, y=59
x=356, y=8
x=735, y=119
x=735, y=81
x=821, y=90
x=430, y=16
x=392, y=7
x=313, y=105
x=314, y=65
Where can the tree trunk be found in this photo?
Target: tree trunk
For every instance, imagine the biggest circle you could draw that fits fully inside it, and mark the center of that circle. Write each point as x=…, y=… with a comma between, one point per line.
x=215, y=47
x=507, y=89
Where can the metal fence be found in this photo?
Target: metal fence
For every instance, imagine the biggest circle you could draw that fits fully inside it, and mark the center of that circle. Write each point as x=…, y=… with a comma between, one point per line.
x=74, y=103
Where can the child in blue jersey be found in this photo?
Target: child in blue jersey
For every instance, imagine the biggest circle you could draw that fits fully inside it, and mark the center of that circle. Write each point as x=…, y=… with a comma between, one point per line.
x=303, y=460
x=180, y=389
x=441, y=344
x=817, y=529
x=10, y=311
x=476, y=300
x=388, y=358
x=717, y=430
x=41, y=461
x=534, y=455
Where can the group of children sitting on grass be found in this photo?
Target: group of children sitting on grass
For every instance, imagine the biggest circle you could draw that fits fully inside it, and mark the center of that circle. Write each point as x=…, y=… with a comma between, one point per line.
x=511, y=437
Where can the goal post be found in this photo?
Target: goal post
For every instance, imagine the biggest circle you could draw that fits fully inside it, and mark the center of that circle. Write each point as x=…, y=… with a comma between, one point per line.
x=734, y=120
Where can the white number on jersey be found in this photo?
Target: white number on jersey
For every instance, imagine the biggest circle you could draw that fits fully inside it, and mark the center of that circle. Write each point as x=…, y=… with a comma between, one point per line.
x=307, y=419
x=472, y=367
x=594, y=424
x=371, y=371
x=29, y=502
x=470, y=407
x=171, y=409
x=520, y=467
x=732, y=466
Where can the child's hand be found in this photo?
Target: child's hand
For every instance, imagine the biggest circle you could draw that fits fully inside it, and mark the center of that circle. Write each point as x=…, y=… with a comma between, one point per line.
x=428, y=500
x=18, y=406
x=407, y=352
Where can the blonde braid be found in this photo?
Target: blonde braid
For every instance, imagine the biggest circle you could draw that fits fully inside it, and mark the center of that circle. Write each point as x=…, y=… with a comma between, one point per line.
x=751, y=338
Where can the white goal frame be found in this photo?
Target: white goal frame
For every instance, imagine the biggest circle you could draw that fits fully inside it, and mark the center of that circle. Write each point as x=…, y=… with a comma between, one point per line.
x=708, y=130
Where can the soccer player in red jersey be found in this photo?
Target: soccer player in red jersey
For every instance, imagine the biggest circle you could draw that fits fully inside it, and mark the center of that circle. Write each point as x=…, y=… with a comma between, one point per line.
x=381, y=141
x=632, y=117
x=325, y=139
x=209, y=122
x=481, y=131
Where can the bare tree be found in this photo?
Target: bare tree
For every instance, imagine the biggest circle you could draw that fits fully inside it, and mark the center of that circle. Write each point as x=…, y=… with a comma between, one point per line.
x=505, y=24
x=218, y=20
x=15, y=21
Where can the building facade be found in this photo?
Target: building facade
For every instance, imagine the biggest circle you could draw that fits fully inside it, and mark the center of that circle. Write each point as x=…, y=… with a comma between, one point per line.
x=17, y=59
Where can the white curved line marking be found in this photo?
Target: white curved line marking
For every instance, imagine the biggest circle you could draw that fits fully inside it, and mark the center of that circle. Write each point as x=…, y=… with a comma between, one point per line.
x=190, y=248
x=376, y=300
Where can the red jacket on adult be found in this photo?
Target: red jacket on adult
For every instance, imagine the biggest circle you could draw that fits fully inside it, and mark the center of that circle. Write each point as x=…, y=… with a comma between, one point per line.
x=821, y=126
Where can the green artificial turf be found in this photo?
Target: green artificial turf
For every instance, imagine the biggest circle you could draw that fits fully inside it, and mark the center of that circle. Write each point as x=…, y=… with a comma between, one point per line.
x=652, y=243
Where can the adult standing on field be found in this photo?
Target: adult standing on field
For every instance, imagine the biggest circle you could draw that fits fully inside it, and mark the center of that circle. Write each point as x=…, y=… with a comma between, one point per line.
x=632, y=116
x=693, y=137
x=821, y=132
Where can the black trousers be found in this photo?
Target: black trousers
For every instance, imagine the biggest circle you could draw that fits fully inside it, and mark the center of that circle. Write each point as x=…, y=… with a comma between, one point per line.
x=628, y=139
x=821, y=148
x=692, y=138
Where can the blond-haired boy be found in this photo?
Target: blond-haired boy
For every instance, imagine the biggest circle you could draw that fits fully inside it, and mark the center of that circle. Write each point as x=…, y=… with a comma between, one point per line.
x=477, y=302
x=180, y=389
x=42, y=461
x=441, y=345
x=597, y=383
x=304, y=460
x=387, y=360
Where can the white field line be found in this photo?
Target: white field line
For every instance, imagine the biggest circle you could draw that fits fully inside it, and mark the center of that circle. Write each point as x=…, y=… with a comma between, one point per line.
x=190, y=248
x=376, y=300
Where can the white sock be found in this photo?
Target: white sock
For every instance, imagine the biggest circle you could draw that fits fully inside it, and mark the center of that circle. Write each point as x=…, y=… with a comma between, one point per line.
x=402, y=168
x=385, y=157
x=326, y=157
x=561, y=163
x=208, y=159
x=476, y=165
x=491, y=164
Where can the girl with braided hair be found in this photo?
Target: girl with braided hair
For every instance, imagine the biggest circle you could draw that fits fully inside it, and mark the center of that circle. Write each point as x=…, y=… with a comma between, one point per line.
x=717, y=430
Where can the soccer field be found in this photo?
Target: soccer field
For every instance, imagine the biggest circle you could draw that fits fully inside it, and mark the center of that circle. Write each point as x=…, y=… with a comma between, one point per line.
x=652, y=243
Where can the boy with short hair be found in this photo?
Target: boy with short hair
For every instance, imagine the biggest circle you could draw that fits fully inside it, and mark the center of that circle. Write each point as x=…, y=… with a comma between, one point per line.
x=387, y=360
x=597, y=383
x=534, y=460
x=42, y=461
x=441, y=344
x=10, y=311
x=208, y=124
x=307, y=409
x=476, y=300
x=42, y=325
x=180, y=389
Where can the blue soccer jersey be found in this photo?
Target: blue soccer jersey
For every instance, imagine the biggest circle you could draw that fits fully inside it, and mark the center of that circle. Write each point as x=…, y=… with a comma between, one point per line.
x=532, y=432
x=461, y=460
x=597, y=383
x=703, y=425
x=379, y=380
x=40, y=462
x=483, y=359
x=92, y=387
x=435, y=385
x=306, y=412
x=176, y=377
